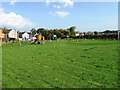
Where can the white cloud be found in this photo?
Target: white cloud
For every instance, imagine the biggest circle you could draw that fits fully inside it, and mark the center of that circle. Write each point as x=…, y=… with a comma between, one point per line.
x=65, y=2
x=57, y=6
x=1, y=10
x=12, y=20
x=12, y=2
x=50, y=1
x=62, y=13
x=47, y=1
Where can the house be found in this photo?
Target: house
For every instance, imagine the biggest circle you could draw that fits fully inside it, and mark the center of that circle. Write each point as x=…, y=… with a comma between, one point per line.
x=2, y=35
x=13, y=34
x=25, y=36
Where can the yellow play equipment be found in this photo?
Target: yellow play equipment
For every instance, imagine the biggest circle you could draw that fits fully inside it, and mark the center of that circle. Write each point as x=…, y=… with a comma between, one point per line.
x=40, y=39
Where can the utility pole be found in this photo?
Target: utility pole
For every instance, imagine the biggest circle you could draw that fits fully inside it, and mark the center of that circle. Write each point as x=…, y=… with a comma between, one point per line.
x=0, y=41
x=119, y=41
x=118, y=34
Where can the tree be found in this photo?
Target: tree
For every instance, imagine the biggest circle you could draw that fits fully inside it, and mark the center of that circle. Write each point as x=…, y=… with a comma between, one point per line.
x=43, y=32
x=95, y=32
x=72, y=30
x=33, y=31
x=5, y=30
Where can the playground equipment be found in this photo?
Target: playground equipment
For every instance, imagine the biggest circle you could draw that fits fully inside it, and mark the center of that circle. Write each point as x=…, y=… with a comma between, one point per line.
x=40, y=39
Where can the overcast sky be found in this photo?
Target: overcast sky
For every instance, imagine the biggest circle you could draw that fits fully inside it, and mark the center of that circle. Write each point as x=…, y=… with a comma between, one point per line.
x=86, y=16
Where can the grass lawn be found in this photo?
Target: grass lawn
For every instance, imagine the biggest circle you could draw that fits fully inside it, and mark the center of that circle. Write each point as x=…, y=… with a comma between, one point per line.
x=60, y=64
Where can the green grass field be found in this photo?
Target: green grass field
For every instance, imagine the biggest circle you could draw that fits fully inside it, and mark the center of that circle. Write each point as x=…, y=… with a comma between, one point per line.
x=60, y=64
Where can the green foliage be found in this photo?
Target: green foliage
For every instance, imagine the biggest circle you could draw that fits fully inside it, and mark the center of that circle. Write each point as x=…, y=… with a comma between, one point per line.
x=61, y=64
x=70, y=33
x=72, y=30
x=5, y=30
x=33, y=31
x=42, y=31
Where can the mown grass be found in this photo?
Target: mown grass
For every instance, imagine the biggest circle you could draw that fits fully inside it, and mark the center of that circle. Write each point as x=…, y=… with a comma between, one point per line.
x=61, y=64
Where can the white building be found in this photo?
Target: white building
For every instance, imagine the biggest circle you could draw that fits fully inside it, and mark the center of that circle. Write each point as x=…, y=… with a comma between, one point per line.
x=13, y=34
x=25, y=36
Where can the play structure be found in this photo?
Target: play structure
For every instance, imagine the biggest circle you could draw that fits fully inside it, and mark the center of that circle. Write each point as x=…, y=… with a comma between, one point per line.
x=39, y=39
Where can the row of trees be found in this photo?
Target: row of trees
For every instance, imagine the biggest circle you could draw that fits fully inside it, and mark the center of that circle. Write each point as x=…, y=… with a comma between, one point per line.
x=71, y=33
x=61, y=33
x=100, y=36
